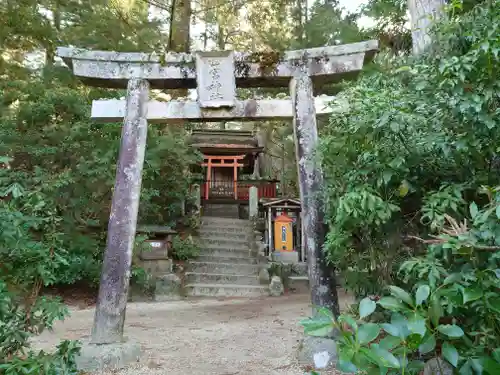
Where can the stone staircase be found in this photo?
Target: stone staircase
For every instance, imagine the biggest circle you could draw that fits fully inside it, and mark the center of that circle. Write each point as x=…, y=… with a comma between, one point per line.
x=225, y=267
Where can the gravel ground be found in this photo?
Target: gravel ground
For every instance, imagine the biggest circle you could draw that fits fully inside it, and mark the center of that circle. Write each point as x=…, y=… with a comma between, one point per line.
x=205, y=336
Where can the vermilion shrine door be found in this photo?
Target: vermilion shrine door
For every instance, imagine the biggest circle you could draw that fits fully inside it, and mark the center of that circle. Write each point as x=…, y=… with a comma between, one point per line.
x=221, y=186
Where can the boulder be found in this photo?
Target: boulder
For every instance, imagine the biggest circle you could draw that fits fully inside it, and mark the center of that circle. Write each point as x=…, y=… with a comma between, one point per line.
x=318, y=352
x=437, y=366
x=276, y=287
x=264, y=277
x=168, y=288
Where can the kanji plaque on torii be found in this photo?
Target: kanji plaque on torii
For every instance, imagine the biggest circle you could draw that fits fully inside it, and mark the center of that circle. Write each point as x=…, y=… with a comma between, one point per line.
x=216, y=76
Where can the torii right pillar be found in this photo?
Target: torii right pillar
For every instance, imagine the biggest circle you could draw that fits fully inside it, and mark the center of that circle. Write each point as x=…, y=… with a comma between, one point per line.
x=321, y=274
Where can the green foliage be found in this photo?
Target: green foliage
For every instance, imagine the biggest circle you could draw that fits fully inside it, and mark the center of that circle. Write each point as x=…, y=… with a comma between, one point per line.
x=62, y=171
x=185, y=248
x=30, y=260
x=413, y=144
x=452, y=308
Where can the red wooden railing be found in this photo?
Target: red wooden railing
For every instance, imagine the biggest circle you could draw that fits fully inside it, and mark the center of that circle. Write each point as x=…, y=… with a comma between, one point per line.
x=225, y=189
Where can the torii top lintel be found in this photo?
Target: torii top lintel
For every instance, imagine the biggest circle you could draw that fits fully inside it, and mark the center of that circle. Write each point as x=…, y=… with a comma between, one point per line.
x=177, y=70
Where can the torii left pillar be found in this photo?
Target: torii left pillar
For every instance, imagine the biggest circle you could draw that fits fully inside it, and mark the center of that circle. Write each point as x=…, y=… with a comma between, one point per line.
x=107, y=331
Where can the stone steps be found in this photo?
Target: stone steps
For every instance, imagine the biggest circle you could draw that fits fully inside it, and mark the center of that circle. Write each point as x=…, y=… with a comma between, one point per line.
x=230, y=258
x=225, y=252
x=224, y=243
x=226, y=290
x=209, y=230
x=226, y=268
x=224, y=222
x=214, y=278
x=218, y=235
x=221, y=210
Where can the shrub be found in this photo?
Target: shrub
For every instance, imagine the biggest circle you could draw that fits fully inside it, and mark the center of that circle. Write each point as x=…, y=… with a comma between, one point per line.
x=185, y=249
x=450, y=307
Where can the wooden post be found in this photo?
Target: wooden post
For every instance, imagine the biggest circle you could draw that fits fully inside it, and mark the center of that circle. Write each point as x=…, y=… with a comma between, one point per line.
x=235, y=177
x=321, y=274
x=270, y=230
x=113, y=289
x=209, y=174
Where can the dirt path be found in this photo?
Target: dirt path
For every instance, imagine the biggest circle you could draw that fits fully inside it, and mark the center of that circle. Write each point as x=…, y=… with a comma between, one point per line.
x=206, y=337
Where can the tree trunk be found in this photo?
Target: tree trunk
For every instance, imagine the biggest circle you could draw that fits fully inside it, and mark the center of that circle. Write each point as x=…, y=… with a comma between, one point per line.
x=180, y=34
x=423, y=13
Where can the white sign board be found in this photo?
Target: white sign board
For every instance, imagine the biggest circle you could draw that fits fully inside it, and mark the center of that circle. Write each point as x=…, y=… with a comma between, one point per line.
x=216, y=80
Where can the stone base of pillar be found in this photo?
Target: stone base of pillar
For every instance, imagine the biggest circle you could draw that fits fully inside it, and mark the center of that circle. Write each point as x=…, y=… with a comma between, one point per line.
x=317, y=352
x=113, y=356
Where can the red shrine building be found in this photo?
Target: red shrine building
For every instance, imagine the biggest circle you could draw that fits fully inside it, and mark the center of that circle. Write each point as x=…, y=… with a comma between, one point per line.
x=233, y=161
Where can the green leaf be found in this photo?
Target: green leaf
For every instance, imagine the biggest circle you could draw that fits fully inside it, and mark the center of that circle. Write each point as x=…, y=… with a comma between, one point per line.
x=428, y=345
x=435, y=310
x=453, y=278
x=496, y=354
x=387, y=358
x=451, y=330
x=390, y=342
x=491, y=366
x=349, y=320
x=319, y=327
x=494, y=303
x=404, y=188
x=391, y=304
x=422, y=294
x=472, y=294
x=368, y=332
x=366, y=307
x=401, y=294
x=450, y=353
x=466, y=369
x=473, y=209
x=417, y=325
x=346, y=366
x=391, y=329
x=477, y=365
x=401, y=322
x=325, y=312
x=387, y=175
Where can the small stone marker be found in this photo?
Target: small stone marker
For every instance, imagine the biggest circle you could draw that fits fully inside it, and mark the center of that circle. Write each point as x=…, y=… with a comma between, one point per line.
x=215, y=79
x=264, y=277
x=253, y=202
x=276, y=287
x=168, y=288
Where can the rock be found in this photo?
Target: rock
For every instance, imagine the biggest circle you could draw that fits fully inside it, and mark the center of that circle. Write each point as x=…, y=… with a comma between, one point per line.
x=168, y=288
x=437, y=366
x=113, y=356
x=276, y=287
x=264, y=277
x=318, y=352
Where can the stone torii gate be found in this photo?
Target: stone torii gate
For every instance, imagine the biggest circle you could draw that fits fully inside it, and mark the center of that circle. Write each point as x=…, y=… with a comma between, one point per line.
x=216, y=76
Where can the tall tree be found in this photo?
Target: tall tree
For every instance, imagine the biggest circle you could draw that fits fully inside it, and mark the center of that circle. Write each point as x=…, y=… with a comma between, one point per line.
x=422, y=15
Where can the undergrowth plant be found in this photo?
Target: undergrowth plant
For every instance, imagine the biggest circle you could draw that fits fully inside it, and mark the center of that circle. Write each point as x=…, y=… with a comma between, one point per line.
x=447, y=306
x=29, y=260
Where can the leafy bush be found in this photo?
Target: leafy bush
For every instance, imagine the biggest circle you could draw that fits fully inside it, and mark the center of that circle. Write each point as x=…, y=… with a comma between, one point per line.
x=413, y=144
x=451, y=308
x=185, y=249
x=29, y=261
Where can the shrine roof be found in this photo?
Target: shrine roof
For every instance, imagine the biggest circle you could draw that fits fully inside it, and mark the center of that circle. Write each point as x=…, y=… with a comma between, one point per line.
x=223, y=138
x=226, y=148
x=328, y=64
